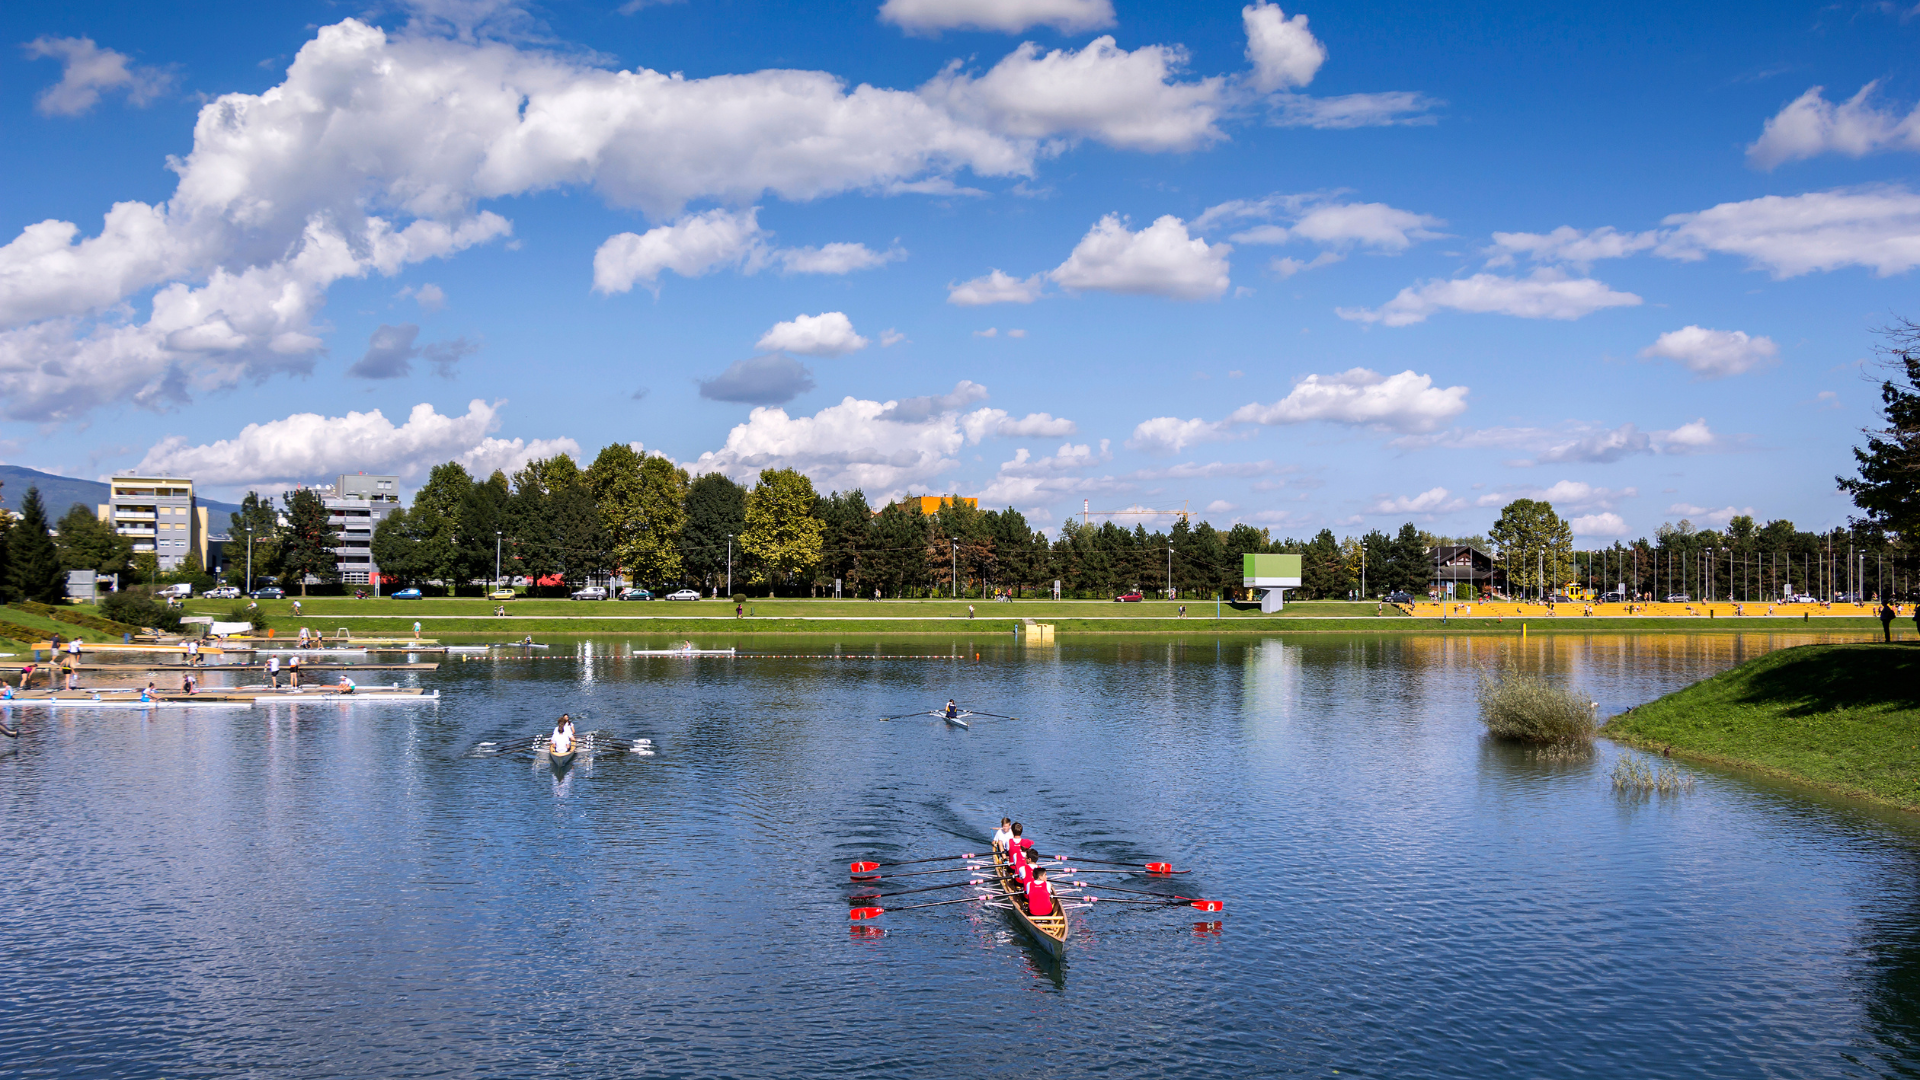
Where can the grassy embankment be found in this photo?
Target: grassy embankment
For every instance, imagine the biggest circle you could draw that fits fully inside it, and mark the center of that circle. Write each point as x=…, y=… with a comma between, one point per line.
x=448, y=617
x=1845, y=717
x=22, y=625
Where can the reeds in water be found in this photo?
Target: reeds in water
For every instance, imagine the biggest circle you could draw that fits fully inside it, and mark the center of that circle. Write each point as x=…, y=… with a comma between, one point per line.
x=1529, y=709
x=1636, y=777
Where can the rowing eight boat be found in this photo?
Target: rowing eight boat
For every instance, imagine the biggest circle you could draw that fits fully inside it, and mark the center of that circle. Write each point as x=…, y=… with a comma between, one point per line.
x=1047, y=931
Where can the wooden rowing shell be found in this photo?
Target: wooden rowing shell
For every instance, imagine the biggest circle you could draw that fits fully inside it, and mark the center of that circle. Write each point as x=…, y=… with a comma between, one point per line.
x=560, y=762
x=1048, y=931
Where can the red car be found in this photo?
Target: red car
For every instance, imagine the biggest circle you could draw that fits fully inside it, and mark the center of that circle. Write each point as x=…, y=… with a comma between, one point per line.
x=1128, y=598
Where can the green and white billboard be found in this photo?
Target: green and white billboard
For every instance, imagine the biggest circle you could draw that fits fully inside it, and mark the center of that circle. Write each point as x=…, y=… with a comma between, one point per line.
x=1270, y=571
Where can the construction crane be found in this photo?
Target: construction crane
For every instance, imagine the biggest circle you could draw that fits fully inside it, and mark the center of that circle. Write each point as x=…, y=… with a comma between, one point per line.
x=1086, y=513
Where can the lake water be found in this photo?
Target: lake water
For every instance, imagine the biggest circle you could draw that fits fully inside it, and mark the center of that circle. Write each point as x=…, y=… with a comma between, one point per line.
x=327, y=891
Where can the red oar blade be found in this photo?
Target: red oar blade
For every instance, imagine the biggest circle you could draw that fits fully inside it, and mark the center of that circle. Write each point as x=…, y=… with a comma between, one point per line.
x=1159, y=868
x=1205, y=905
x=865, y=913
x=863, y=867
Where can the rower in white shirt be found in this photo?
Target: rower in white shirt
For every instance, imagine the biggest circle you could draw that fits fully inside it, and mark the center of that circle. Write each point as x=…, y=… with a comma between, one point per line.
x=1003, y=834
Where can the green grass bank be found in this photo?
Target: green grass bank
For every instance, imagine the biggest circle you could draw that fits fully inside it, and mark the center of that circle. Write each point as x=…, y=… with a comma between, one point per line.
x=1844, y=717
x=446, y=616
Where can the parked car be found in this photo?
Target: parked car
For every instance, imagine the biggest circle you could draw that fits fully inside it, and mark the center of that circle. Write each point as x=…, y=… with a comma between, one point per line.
x=1846, y=598
x=635, y=594
x=1679, y=598
x=1802, y=598
x=224, y=592
x=1614, y=598
x=1399, y=598
x=271, y=592
x=502, y=594
x=181, y=591
x=683, y=594
x=591, y=592
x=1128, y=598
x=407, y=594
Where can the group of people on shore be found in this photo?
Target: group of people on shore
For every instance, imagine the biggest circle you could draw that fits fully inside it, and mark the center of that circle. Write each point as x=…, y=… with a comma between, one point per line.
x=1027, y=871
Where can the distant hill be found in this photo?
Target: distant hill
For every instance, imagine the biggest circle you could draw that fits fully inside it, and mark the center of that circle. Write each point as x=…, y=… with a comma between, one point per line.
x=59, y=493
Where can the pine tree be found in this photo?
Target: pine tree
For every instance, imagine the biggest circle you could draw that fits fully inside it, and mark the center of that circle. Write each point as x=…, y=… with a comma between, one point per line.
x=87, y=543
x=33, y=564
x=308, y=543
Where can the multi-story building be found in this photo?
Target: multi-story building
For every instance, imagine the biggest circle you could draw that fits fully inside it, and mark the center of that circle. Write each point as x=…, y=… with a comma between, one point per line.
x=356, y=503
x=159, y=515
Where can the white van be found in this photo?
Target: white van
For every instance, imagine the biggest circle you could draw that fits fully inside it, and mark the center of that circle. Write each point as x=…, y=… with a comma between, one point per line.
x=182, y=591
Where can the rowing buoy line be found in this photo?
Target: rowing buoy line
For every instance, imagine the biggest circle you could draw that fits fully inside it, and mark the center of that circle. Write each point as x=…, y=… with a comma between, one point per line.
x=736, y=656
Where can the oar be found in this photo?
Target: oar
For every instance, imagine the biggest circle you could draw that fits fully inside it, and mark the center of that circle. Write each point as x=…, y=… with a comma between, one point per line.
x=863, y=897
x=863, y=867
x=1200, y=905
x=875, y=912
x=1168, y=897
x=865, y=876
x=995, y=715
x=8, y=732
x=904, y=715
x=1151, y=868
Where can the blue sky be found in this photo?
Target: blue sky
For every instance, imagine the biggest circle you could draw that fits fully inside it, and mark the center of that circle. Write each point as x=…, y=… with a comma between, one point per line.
x=1303, y=268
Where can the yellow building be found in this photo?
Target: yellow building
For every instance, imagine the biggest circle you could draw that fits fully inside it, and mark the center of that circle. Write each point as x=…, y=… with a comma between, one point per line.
x=159, y=515
x=931, y=504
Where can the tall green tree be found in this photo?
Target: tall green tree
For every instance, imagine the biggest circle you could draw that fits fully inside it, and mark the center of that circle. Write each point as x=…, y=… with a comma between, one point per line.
x=658, y=515
x=397, y=550
x=1887, y=485
x=87, y=543
x=1535, y=545
x=436, y=514
x=577, y=539
x=481, y=522
x=783, y=534
x=845, y=542
x=33, y=561
x=308, y=541
x=716, y=509
x=259, y=520
x=895, y=562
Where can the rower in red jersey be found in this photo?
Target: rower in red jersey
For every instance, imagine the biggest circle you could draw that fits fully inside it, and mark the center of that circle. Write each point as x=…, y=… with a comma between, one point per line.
x=1018, y=846
x=1039, y=894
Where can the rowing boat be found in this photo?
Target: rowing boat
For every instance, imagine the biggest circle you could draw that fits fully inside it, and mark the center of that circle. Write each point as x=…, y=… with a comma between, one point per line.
x=128, y=703
x=682, y=652
x=1047, y=931
x=956, y=721
x=560, y=761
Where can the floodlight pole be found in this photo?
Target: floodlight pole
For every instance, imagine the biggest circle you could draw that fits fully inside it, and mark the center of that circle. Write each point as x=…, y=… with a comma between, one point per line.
x=729, y=564
x=496, y=558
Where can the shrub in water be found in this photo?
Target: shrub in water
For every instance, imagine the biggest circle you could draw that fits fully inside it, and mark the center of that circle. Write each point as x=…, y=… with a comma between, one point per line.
x=1634, y=776
x=1527, y=709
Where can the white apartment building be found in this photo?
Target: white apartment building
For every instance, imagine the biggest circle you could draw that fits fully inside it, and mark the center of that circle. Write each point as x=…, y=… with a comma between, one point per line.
x=159, y=515
x=356, y=503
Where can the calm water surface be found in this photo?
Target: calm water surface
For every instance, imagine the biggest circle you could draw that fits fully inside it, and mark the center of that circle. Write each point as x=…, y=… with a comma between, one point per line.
x=322, y=891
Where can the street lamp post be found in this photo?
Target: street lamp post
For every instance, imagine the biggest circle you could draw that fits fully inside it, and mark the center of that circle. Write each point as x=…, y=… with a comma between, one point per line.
x=496, y=558
x=729, y=564
x=249, y=560
x=955, y=546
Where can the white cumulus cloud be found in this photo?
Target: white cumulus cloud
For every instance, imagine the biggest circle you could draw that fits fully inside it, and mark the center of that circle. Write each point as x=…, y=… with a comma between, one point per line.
x=829, y=333
x=1708, y=516
x=1314, y=219
x=996, y=288
x=1170, y=434
x=1713, y=354
x=1567, y=244
x=306, y=447
x=1811, y=125
x=1006, y=16
x=1431, y=501
x=1283, y=52
x=1131, y=100
x=1546, y=294
x=378, y=150
x=1601, y=525
x=697, y=244
x=1790, y=235
x=1159, y=260
x=885, y=448
x=1403, y=402
x=86, y=71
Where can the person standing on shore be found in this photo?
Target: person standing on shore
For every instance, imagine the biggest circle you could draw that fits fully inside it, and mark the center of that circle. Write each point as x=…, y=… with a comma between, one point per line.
x=273, y=671
x=1886, y=619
